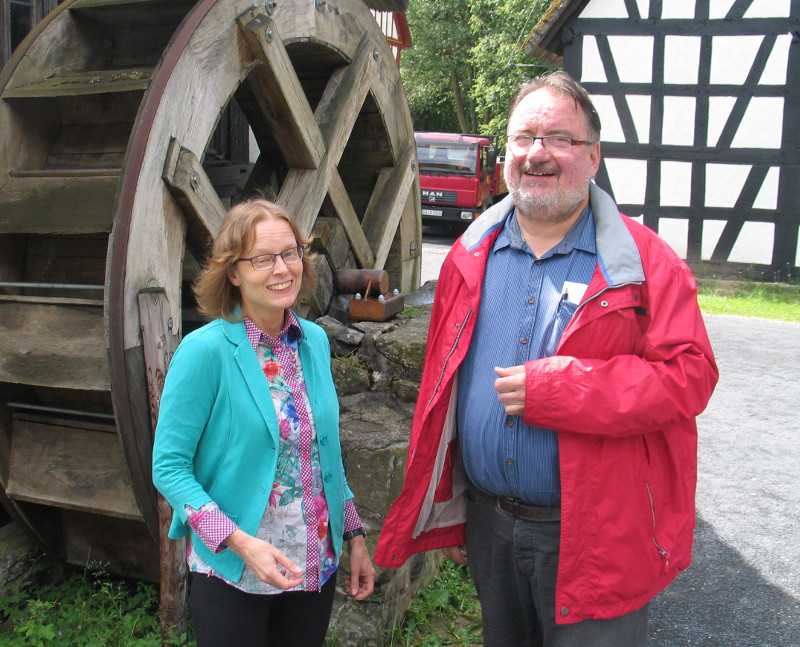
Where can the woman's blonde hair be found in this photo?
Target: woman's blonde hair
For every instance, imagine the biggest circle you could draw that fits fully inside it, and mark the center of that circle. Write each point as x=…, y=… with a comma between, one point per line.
x=216, y=295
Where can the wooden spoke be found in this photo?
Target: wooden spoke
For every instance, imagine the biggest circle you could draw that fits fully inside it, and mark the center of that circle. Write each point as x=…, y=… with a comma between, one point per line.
x=302, y=192
x=279, y=93
x=386, y=205
x=189, y=183
x=344, y=209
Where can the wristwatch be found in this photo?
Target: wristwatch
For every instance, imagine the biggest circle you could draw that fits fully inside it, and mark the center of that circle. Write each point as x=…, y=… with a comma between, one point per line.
x=354, y=533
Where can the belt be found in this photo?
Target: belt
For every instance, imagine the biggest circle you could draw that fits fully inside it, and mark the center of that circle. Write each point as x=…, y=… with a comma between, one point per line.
x=517, y=508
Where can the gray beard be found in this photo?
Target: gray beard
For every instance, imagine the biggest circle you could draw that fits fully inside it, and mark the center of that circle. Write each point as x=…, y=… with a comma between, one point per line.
x=554, y=207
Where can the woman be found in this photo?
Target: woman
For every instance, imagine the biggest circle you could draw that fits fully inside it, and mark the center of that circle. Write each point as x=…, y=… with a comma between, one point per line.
x=247, y=447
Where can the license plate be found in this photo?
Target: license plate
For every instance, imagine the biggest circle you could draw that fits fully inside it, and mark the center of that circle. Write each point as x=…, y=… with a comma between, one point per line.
x=432, y=212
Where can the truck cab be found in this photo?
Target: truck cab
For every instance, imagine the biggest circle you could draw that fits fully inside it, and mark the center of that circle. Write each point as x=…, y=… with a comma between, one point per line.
x=460, y=176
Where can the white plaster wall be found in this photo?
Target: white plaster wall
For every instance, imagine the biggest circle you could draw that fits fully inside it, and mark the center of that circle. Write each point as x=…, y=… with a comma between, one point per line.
x=778, y=61
x=676, y=232
x=676, y=184
x=769, y=9
x=591, y=66
x=611, y=128
x=628, y=179
x=724, y=183
x=605, y=9
x=719, y=109
x=719, y=8
x=767, y=196
x=639, y=105
x=754, y=243
x=761, y=125
x=712, y=230
x=678, y=9
x=644, y=8
x=732, y=57
x=633, y=57
x=678, y=126
x=681, y=59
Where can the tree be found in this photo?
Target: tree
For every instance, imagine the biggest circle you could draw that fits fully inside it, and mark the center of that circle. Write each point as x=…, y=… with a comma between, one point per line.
x=468, y=61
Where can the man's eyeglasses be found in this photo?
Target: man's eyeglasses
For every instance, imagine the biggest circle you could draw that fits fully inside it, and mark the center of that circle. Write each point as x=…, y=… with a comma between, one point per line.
x=266, y=262
x=520, y=144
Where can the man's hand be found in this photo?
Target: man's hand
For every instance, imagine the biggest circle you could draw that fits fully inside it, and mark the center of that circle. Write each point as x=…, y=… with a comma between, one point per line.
x=510, y=387
x=456, y=553
x=269, y=564
x=362, y=573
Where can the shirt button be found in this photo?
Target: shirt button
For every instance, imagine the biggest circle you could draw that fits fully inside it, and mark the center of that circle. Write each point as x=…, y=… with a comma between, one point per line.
x=564, y=611
x=604, y=304
x=327, y=478
x=510, y=461
x=323, y=440
x=523, y=340
x=476, y=253
x=531, y=300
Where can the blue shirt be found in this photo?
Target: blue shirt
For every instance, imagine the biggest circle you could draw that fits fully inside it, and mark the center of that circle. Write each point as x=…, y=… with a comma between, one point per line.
x=526, y=303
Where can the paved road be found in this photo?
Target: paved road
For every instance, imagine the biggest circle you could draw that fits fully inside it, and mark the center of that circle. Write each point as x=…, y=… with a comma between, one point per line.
x=743, y=589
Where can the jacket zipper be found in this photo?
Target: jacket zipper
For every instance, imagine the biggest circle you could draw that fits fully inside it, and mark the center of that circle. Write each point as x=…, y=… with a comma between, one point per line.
x=661, y=550
x=452, y=350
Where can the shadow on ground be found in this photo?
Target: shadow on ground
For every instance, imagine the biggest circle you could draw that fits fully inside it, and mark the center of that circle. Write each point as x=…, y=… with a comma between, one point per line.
x=722, y=601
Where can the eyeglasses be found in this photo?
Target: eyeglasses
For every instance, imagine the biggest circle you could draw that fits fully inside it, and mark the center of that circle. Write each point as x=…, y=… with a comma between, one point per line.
x=266, y=262
x=520, y=144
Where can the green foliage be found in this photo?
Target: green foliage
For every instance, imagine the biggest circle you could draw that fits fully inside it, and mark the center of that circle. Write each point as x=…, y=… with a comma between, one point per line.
x=446, y=612
x=469, y=53
x=86, y=608
x=765, y=300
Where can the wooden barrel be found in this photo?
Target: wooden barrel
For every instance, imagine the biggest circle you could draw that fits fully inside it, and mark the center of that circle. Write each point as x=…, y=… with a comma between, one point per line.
x=123, y=124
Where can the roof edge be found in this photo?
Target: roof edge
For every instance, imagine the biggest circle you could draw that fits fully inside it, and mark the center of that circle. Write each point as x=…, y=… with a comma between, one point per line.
x=544, y=41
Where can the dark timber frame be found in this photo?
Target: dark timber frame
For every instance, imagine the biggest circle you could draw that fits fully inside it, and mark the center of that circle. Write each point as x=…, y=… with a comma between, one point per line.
x=561, y=34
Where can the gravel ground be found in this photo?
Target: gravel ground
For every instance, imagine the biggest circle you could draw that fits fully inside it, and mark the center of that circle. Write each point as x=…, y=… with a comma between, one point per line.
x=743, y=589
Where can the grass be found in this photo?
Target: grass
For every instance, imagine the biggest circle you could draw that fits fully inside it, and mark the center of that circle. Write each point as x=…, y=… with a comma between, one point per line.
x=83, y=608
x=765, y=300
x=446, y=612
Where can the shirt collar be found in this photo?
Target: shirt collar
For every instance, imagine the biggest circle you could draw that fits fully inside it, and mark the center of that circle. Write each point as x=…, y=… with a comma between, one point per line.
x=291, y=330
x=580, y=236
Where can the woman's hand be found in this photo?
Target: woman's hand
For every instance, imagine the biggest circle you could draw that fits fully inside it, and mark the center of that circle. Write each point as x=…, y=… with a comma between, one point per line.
x=269, y=564
x=362, y=573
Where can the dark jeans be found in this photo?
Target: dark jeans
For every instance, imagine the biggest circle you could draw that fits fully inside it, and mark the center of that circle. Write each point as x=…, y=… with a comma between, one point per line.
x=514, y=564
x=222, y=615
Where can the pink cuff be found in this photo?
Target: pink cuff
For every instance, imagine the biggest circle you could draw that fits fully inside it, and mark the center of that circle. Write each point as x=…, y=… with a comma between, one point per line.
x=351, y=519
x=211, y=525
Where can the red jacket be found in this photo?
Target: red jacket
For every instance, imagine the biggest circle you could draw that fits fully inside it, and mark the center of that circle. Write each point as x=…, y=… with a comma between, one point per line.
x=632, y=370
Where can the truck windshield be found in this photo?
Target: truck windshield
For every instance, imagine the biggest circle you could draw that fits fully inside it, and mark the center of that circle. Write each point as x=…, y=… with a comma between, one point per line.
x=439, y=157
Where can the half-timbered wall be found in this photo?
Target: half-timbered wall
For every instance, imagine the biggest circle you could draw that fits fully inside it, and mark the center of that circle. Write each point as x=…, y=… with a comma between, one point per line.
x=700, y=106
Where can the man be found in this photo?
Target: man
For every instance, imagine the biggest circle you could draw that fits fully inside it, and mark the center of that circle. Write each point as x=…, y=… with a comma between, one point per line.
x=553, y=447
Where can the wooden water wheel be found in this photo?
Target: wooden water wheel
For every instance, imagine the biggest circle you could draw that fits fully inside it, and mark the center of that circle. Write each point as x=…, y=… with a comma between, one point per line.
x=112, y=180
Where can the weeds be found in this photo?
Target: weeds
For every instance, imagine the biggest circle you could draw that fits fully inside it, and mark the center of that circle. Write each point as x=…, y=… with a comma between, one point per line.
x=446, y=612
x=86, y=608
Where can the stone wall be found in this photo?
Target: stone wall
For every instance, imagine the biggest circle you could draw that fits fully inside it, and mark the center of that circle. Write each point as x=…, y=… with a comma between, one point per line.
x=377, y=368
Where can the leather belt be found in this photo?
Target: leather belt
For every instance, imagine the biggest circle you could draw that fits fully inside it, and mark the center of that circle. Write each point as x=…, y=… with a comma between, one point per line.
x=517, y=508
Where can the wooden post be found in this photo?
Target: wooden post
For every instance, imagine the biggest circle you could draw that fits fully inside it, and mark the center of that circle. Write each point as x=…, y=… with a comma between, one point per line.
x=160, y=336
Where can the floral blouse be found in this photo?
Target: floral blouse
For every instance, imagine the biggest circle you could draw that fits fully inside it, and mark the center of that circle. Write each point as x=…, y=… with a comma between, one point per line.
x=296, y=518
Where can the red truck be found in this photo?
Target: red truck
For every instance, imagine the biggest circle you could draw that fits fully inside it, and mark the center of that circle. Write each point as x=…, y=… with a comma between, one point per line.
x=460, y=176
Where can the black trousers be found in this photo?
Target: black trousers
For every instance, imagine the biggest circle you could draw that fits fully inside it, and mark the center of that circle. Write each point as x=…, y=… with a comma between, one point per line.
x=514, y=564
x=223, y=615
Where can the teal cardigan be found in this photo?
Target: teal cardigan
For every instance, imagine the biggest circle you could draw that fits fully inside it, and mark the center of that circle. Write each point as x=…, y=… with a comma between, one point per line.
x=217, y=433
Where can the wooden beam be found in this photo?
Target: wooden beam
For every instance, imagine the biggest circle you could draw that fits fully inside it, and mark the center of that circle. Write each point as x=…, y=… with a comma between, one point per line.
x=278, y=91
x=160, y=341
x=192, y=188
x=386, y=205
x=84, y=83
x=349, y=219
x=302, y=192
x=57, y=464
x=59, y=346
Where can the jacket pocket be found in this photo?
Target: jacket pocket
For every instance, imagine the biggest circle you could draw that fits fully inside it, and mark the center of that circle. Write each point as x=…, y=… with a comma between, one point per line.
x=663, y=553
